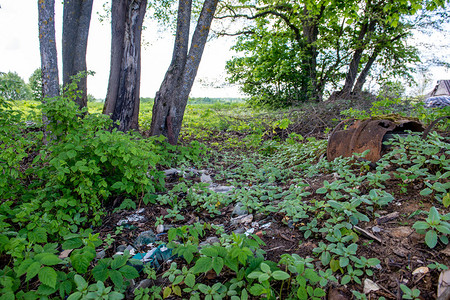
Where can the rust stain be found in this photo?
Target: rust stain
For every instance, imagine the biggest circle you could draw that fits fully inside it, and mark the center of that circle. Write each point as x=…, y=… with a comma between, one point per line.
x=362, y=135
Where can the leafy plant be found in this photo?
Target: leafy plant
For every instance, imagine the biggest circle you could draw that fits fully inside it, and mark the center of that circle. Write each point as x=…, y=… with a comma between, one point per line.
x=433, y=227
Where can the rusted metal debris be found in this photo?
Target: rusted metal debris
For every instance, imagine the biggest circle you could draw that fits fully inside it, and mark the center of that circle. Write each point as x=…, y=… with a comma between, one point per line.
x=362, y=135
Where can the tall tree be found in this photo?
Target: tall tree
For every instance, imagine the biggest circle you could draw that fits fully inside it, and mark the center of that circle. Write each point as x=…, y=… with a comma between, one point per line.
x=294, y=50
x=76, y=22
x=171, y=99
x=47, y=46
x=122, y=99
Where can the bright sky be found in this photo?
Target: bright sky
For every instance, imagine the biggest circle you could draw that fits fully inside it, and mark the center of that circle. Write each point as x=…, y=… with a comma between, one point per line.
x=19, y=51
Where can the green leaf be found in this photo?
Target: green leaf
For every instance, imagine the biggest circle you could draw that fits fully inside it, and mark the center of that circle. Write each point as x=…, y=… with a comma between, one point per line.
x=431, y=238
x=280, y=275
x=190, y=280
x=38, y=235
x=48, y=276
x=265, y=267
x=119, y=261
x=334, y=265
x=129, y=272
x=434, y=215
x=72, y=244
x=176, y=290
x=100, y=272
x=75, y=296
x=81, y=262
x=50, y=259
x=217, y=264
x=343, y=261
x=257, y=290
x=426, y=192
x=346, y=279
x=263, y=277
x=445, y=229
x=203, y=264
x=312, y=275
x=255, y=274
x=80, y=282
x=22, y=269
x=421, y=225
x=116, y=278
x=167, y=291
x=209, y=251
x=33, y=270
x=71, y=153
x=318, y=292
x=446, y=200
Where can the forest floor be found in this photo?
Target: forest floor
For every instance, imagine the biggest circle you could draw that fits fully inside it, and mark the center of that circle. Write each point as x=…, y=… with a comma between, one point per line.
x=262, y=180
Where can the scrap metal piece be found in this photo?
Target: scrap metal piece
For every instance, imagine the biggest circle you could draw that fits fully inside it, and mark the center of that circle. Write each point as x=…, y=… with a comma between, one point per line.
x=364, y=135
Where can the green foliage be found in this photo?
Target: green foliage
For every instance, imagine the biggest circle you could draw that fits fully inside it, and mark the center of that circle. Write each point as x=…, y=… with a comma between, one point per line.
x=13, y=87
x=433, y=227
x=35, y=85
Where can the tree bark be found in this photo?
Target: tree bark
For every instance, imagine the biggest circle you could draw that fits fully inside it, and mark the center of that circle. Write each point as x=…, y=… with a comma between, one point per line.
x=76, y=22
x=47, y=47
x=122, y=99
x=172, y=97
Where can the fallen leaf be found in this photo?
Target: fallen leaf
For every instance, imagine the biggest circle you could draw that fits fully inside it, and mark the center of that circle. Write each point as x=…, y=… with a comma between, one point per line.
x=421, y=270
x=370, y=286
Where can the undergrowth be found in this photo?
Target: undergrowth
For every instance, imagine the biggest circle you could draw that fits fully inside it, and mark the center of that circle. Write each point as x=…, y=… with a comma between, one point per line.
x=55, y=192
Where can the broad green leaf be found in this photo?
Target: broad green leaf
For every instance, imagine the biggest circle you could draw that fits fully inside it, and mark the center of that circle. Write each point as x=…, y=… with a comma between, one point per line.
x=81, y=262
x=434, y=215
x=431, y=238
x=446, y=200
x=80, y=282
x=100, y=272
x=190, y=280
x=346, y=279
x=209, y=251
x=119, y=261
x=38, y=235
x=263, y=277
x=426, y=192
x=116, y=278
x=217, y=264
x=176, y=290
x=22, y=269
x=72, y=244
x=203, y=264
x=129, y=272
x=48, y=276
x=312, y=275
x=280, y=275
x=265, y=267
x=71, y=154
x=443, y=229
x=255, y=274
x=75, y=296
x=50, y=259
x=33, y=270
x=421, y=225
x=343, y=261
x=167, y=292
x=115, y=296
x=257, y=290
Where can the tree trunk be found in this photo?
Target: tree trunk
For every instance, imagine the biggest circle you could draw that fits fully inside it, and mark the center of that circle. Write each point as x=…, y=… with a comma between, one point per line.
x=357, y=89
x=76, y=21
x=172, y=97
x=47, y=47
x=310, y=31
x=352, y=73
x=122, y=99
